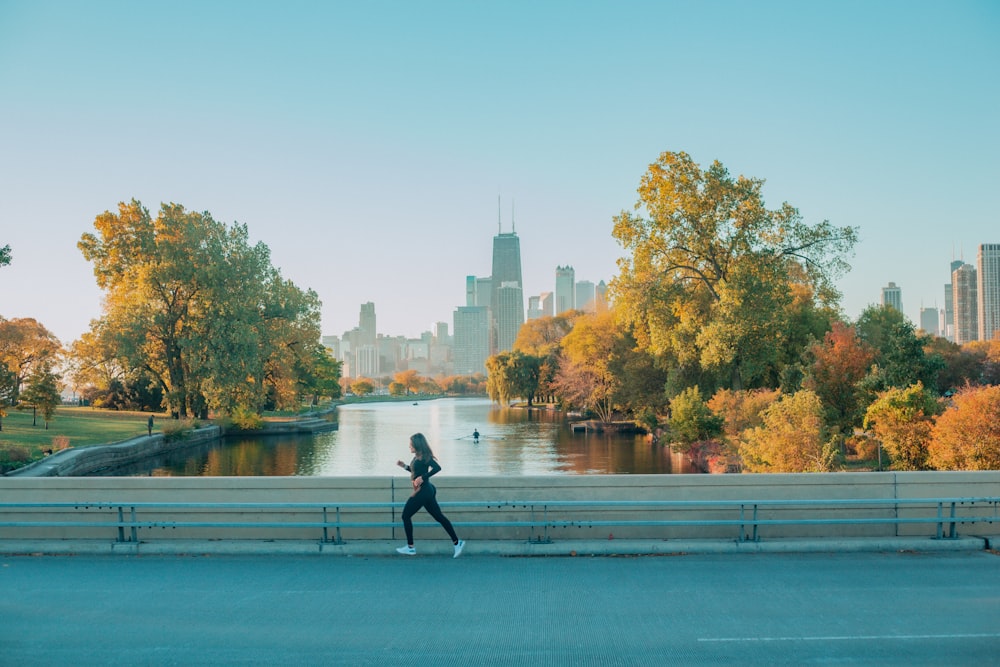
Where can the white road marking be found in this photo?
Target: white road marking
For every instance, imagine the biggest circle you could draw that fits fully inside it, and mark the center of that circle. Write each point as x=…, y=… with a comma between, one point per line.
x=833, y=638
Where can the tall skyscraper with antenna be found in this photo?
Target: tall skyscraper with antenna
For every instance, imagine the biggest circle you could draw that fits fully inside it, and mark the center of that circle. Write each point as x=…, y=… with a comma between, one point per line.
x=507, y=303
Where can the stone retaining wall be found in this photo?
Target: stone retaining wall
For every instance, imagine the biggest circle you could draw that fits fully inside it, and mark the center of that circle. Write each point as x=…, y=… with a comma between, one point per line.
x=491, y=490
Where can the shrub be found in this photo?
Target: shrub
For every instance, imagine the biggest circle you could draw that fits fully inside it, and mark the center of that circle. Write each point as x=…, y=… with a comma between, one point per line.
x=246, y=420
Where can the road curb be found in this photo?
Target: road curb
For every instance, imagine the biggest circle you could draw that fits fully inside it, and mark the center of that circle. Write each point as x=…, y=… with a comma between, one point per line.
x=505, y=548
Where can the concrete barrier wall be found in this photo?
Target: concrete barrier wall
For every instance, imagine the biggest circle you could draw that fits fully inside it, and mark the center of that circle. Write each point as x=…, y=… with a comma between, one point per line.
x=332, y=490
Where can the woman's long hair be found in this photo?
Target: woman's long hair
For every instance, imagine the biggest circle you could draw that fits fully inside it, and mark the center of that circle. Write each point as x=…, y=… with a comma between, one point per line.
x=420, y=446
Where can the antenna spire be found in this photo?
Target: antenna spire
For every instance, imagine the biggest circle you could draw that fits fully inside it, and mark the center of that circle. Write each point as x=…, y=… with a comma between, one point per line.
x=513, y=230
x=499, y=230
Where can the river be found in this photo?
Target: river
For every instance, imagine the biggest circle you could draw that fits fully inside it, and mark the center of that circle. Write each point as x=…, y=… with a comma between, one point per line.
x=373, y=436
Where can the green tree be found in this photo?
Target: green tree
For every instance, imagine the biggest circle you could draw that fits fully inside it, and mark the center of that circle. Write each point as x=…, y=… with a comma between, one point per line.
x=41, y=392
x=900, y=359
x=792, y=437
x=5, y=255
x=511, y=375
x=190, y=302
x=961, y=364
x=710, y=268
x=26, y=345
x=691, y=420
x=901, y=419
x=318, y=375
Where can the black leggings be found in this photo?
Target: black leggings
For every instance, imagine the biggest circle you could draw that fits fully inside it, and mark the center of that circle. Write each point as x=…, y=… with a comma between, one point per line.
x=426, y=498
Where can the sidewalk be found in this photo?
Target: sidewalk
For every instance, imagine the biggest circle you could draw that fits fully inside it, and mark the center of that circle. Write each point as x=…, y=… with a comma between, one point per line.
x=508, y=548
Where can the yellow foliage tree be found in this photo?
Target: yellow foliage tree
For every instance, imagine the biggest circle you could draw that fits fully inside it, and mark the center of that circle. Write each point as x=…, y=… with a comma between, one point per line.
x=967, y=435
x=791, y=437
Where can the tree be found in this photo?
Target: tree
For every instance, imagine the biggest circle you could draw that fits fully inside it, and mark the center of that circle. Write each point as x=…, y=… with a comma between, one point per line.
x=318, y=375
x=836, y=366
x=691, y=420
x=8, y=385
x=901, y=419
x=41, y=392
x=710, y=269
x=362, y=387
x=967, y=435
x=410, y=379
x=193, y=304
x=900, y=360
x=26, y=345
x=791, y=438
x=960, y=364
x=512, y=375
x=5, y=255
x=586, y=376
x=741, y=410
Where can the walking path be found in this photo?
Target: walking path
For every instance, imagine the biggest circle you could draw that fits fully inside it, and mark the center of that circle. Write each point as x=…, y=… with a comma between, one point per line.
x=909, y=608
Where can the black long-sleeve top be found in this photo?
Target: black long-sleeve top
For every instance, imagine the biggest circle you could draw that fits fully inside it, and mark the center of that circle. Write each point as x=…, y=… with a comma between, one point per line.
x=420, y=468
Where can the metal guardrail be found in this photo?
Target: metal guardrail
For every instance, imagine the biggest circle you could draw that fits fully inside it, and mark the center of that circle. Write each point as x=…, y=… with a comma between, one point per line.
x=944, y=514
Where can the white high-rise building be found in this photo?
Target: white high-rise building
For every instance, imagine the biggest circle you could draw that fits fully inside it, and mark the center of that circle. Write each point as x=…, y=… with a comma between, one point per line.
x=988, y=290
x=965, y=303
x=471, y=340
x=585, y=296
x=509, y=315
x=892, y=296
x=565, y=289
x=948, y=329
x=547, y=304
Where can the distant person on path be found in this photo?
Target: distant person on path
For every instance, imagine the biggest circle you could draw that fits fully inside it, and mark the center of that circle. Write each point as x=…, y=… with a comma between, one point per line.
x=149, y=425
x=421, y=468
x=475, y=435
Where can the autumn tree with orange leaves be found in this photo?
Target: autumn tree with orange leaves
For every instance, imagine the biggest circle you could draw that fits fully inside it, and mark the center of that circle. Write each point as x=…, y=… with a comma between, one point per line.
x=967, y=435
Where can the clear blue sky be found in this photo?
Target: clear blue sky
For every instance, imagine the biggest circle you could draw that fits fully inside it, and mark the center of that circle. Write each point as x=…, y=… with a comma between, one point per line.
x=367, y=142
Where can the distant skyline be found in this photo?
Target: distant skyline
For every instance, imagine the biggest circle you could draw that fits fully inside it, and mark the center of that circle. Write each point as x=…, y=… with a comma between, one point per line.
x=367, y=143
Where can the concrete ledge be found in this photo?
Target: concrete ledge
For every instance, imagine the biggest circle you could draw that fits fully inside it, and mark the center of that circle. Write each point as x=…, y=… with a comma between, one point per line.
x=439, y=548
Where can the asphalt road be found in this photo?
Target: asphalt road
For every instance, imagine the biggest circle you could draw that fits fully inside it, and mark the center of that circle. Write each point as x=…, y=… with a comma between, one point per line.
x=745, y=609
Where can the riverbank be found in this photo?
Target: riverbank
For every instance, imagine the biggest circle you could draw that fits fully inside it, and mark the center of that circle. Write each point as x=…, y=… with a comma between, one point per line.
x=100, y=459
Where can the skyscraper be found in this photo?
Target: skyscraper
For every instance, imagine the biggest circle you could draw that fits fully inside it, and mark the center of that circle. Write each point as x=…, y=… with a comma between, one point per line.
x=534, y=307
x=585, y=296
x=988, y=290
x=472, y=339
x=366, y=323
x=507, y=303
x=601, y=296
x=509, y=315
x=546, y=303
x=470, y=290
x=929, y=320
x=949, y=307
x=965, y=303
x=565, y=289
x=892, y=296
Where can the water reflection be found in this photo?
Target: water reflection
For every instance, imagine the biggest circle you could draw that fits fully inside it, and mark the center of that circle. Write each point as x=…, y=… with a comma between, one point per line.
x=372, y=436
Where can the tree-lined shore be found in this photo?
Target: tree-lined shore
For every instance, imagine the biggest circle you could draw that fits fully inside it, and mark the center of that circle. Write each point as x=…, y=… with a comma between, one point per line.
x=724, y=339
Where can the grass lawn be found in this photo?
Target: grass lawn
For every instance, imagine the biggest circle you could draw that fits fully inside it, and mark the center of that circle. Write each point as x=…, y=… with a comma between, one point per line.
x=70, y=427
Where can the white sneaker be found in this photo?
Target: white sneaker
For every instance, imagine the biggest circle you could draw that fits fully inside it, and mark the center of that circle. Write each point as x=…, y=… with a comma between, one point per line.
x=458, y=548
x=407, y=551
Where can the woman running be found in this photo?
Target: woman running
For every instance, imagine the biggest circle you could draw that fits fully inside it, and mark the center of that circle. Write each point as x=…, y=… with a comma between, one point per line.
x=424, y=494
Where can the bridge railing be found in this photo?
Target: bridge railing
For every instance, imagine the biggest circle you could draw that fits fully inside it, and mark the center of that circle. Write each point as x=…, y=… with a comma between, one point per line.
x=535, y=520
